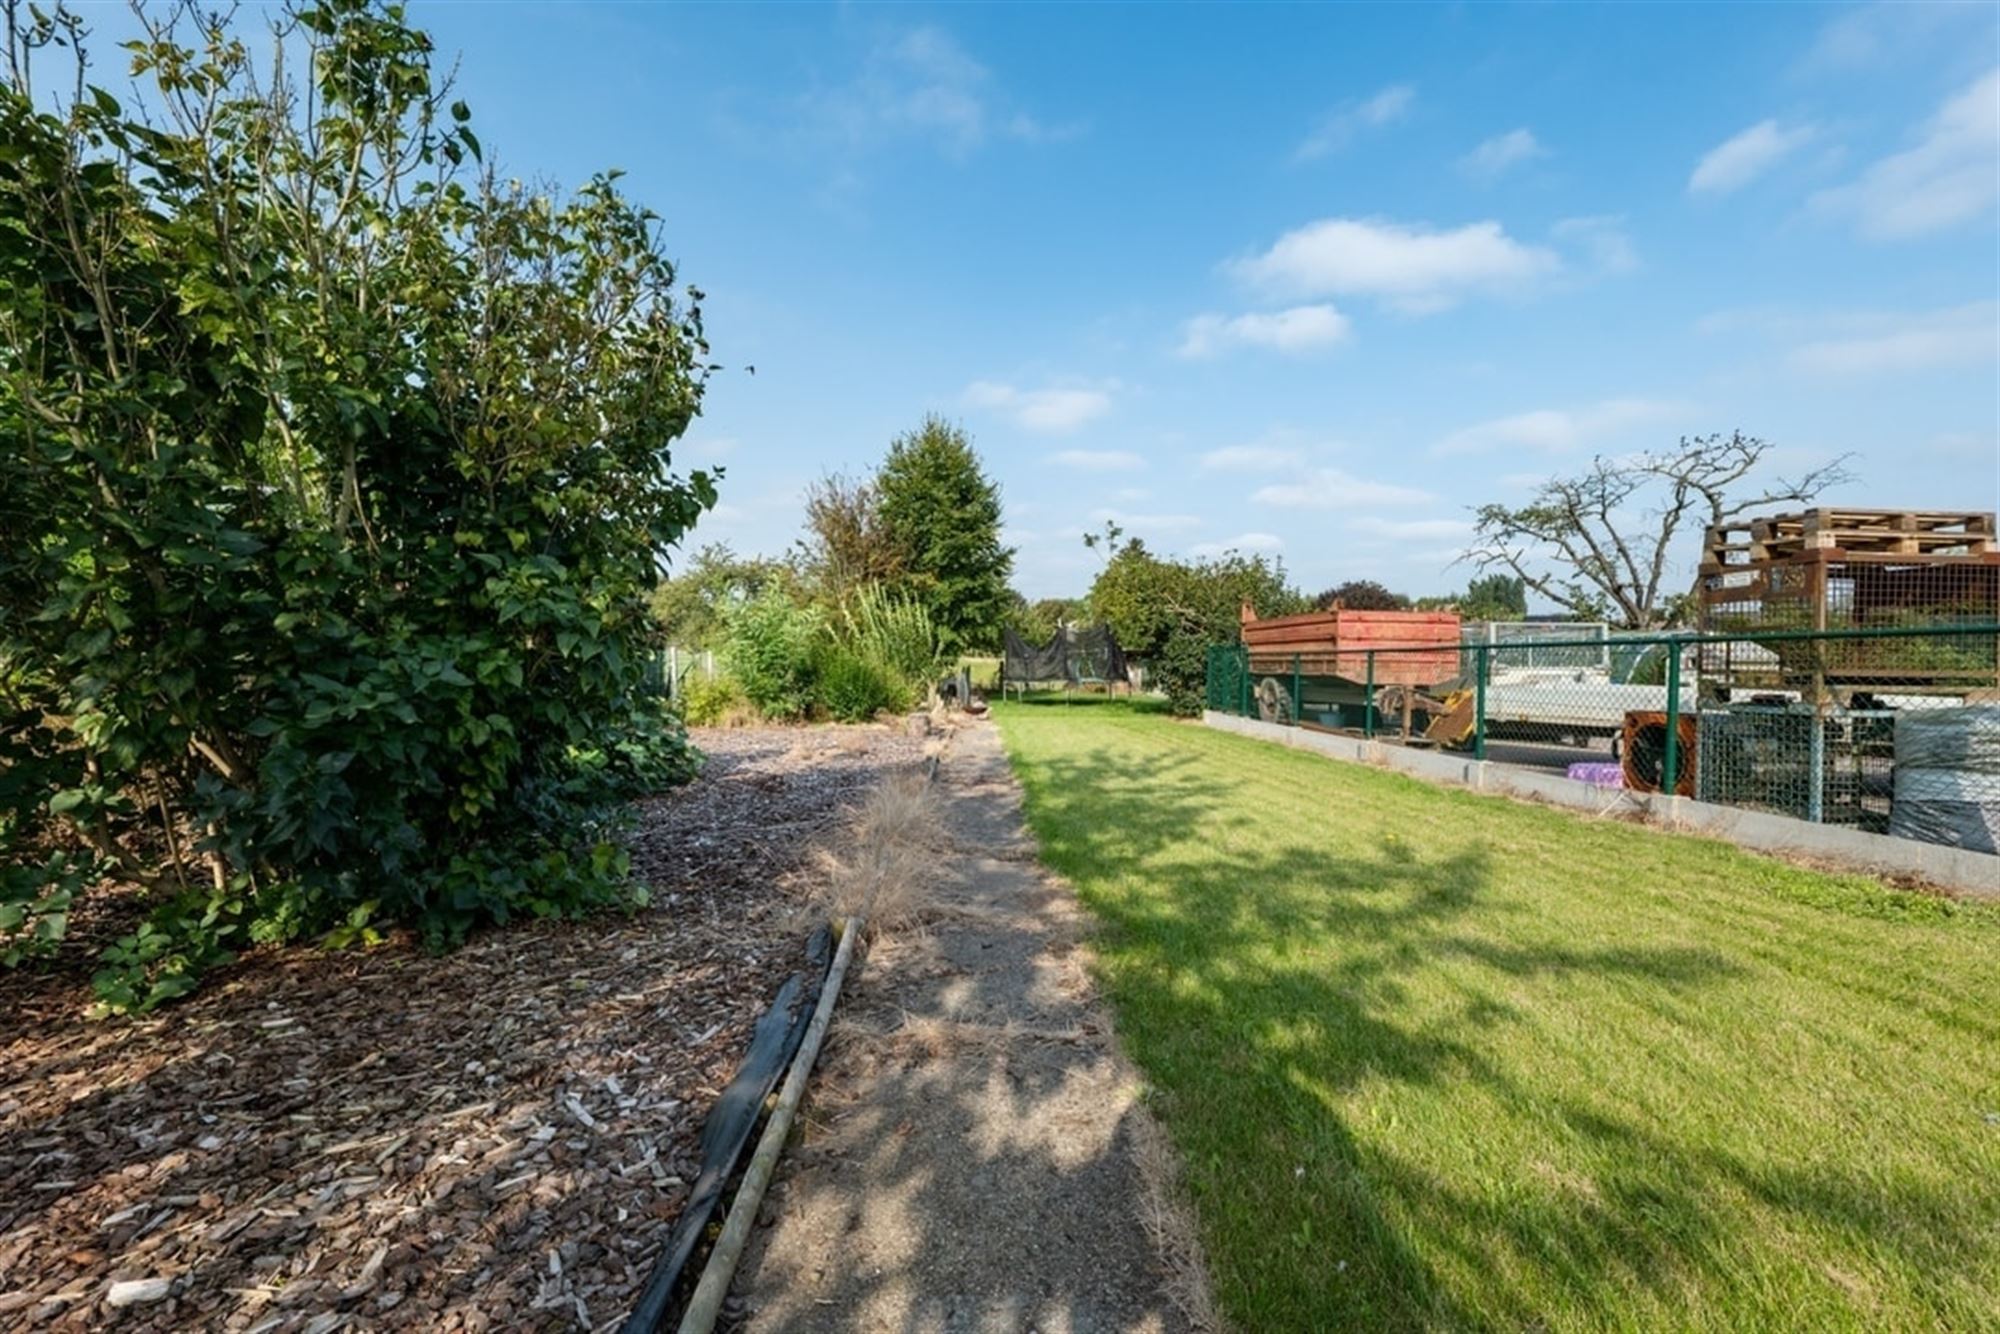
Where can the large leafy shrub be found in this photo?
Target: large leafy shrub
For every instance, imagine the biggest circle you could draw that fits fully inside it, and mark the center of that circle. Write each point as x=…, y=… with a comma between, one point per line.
x=896, y=631
x=711, y=701
x=692, y=605
x=771, y=647
x=335, y=479
x=1167, y=612
x=853, y=687
x=791, y=660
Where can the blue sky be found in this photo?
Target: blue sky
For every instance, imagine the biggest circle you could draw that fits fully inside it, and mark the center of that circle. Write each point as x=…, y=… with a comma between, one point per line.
x=1310, y=281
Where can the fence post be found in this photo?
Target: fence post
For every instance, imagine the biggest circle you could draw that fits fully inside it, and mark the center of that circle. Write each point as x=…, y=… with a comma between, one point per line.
x=1816, y=767
x=1296, y=683
x=1670, y=763
x=1479, y=670
x=673, y=673
x=1243, y=664
x=1368, y=701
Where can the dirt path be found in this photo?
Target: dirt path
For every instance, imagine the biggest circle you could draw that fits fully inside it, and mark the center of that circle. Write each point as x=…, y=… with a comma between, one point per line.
x=975, y=1156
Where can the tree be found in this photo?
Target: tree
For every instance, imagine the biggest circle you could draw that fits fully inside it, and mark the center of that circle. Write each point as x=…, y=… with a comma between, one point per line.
x=1494, y=597
x=1361, y=595
x=848, y=545
x=1598, y=544
x=335, y=480
x=691, y=607
x=940, y=512
x=1169, y=612
x=1037, y=621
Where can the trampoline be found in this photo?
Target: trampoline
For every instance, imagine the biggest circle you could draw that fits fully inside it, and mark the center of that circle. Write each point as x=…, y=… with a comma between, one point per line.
x=1077, y=656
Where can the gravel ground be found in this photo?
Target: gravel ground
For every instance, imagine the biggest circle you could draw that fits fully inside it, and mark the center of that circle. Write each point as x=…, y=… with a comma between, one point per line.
x=499, y=1138
x=975, y=1154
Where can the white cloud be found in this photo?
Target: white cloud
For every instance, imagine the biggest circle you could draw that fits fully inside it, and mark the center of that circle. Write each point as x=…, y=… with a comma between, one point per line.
x=1414, y=268
x=1145, y=523
x=943, y=89
x=1406, y=530
x=1054, y=410
x=1250, y=458
x=1294, y=331
x=1098, y=460
x=1961, y=336
x=1492, y=159
x=1555, y=430
x=1339, y=127
x=1890, y=32
x=1240, y=542
x=1741, y=159
x=1603, y=240
x=921, y=83
x=1948, y=177
x=1332, y=489
x=761, y=520
x=1027, y=129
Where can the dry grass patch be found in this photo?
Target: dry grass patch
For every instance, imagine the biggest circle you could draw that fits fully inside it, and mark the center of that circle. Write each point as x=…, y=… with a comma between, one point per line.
x=885, y=868
x=1170, y=1222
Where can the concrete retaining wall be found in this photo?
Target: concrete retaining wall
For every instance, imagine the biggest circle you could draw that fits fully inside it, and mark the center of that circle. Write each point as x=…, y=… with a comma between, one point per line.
x=1973, y=873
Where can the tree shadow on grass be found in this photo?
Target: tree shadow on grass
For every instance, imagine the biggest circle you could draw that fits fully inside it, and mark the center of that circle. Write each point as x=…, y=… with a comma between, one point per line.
x=1259, y=1041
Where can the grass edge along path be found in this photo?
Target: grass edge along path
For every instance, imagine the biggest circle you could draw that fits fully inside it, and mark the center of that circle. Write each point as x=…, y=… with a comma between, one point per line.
x=1438, y=1059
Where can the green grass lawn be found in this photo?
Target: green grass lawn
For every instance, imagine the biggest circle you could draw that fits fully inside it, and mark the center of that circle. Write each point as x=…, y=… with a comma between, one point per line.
x=1436, y=1059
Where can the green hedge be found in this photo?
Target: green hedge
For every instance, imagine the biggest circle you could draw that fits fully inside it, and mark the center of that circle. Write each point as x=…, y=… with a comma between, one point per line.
x=332, y=502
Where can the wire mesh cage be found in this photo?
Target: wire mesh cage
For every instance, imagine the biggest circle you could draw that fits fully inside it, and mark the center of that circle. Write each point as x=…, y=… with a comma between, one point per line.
x=1534, y=644
x=1851, y=570
x=1830, y=767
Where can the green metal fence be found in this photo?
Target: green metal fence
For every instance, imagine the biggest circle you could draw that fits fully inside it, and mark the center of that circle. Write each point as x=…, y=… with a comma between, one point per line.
x=1889, y=729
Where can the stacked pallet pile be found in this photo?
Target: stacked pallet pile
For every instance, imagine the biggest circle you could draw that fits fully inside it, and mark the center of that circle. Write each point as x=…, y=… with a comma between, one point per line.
x=1745, y=543
x=1854, y=569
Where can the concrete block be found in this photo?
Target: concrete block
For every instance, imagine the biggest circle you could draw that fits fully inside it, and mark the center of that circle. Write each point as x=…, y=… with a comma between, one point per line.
x=1975, y=874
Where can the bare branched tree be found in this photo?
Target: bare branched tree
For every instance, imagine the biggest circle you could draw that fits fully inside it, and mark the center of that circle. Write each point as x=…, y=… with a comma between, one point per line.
x=847, y=545
x=1597, y=544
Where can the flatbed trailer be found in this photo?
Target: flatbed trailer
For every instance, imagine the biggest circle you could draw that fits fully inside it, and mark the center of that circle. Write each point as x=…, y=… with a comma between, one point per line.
x=1317, y=664
x=1565, y=706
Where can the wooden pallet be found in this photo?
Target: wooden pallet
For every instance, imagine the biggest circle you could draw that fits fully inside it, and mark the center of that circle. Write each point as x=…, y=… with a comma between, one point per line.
x=1712, y=576
x=1747, y=542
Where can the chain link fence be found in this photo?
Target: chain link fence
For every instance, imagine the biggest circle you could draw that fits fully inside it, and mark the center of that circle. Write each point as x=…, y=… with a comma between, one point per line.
x=1892, y=728
x=669, y=669
x=1624, y=655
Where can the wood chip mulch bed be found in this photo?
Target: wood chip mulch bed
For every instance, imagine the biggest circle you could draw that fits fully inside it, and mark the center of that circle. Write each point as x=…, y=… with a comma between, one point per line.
x=499, y=1138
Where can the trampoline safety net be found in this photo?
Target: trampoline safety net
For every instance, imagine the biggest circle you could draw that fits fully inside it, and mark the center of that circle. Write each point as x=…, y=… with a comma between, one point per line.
x=1078, y=655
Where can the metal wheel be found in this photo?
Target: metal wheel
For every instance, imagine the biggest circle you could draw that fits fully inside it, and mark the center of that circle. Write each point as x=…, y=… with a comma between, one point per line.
x=1274, y=701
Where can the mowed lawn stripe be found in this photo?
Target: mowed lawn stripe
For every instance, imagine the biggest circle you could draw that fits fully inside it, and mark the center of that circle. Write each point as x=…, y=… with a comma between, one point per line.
x=1438, y=1059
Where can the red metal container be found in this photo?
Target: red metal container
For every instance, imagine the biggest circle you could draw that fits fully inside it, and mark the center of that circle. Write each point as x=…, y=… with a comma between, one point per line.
x=1412, y=648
